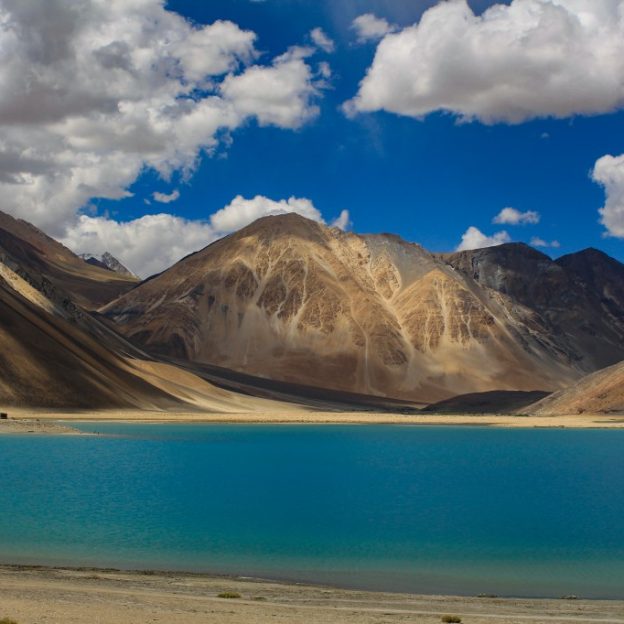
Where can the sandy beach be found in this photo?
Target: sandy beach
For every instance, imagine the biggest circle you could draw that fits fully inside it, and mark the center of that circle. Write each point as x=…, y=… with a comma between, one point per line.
x=69, y=596
x=36, y=426
x=303, y=416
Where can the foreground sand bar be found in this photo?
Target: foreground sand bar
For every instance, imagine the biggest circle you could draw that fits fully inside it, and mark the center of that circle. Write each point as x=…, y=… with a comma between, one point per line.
x=301, y=416
x=69, y=596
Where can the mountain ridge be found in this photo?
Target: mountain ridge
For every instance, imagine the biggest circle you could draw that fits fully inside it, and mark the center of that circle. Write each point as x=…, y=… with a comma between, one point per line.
x=293, y=300
x=290, y=310
x=109, y=262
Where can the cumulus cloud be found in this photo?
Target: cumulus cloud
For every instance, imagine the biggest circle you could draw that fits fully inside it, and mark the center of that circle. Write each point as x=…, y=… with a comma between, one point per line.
x=473, y=238
x=163, y=198
x=528, y=59
x=536, y=241
x=322, y=40
x=369, y=27
x=146, y=246
x=609, y=172
x=240, y=211
x=511, y=216
x=93, y=92
x=278, y=95
x=154, y=242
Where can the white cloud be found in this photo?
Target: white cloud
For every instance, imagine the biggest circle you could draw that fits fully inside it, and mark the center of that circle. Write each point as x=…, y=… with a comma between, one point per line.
x=609, y=172
x=93, y=92
x=154, y=242
x=473, y=238
x=536, y=241
x=531, y=58
x=369, y=27
x=279, y=95
x=163, y=198
x=511, y=216
x=322, y=40
x=324, y=70
x=146, y=246
x=342, y=221
x=240, y=211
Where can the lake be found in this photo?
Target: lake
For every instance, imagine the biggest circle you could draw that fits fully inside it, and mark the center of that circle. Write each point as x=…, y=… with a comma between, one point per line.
x=404, y=508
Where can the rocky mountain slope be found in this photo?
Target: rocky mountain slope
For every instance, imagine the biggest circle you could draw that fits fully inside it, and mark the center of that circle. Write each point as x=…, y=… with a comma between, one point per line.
x=55, y=354
x=599, y=393
x=574, y=305
x=51, y=267
x=49, y=360
x=289, y=299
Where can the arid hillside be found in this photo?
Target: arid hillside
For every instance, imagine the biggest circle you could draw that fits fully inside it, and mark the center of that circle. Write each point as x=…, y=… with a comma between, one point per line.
x=56, y=354
x=289, y=299
x=599, y=393
x=50, y=266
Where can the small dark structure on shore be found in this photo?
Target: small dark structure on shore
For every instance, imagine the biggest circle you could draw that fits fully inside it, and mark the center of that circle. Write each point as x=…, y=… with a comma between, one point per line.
x=4, y=416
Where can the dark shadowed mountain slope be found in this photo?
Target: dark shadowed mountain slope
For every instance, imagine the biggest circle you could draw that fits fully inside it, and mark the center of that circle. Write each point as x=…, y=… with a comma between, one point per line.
x=51, y=266
x=566, y=305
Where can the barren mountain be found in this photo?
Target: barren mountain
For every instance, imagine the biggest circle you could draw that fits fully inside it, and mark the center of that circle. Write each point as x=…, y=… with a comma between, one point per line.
x=599, y=393
x=289, y=299
x=109, y=262
x=55, y=354
x=574, y=305
x=49, y=360
x=51, y=267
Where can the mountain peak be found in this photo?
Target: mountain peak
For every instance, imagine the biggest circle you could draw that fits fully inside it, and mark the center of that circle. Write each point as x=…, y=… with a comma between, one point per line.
x=109, y=262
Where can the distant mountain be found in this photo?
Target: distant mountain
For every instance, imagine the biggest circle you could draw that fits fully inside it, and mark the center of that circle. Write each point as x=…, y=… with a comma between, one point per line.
x=290, y=299
x=108, y=261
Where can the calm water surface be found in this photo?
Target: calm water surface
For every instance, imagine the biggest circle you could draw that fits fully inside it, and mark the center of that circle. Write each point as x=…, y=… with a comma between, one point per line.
x=422, y=509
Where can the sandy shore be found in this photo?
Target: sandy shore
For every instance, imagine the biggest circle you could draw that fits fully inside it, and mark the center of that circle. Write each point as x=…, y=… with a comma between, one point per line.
x=584, y=421
x=63, y=596
x=36, y=426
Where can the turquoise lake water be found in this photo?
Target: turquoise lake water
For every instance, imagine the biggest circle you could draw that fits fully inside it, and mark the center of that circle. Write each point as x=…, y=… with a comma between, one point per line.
x=404, y=508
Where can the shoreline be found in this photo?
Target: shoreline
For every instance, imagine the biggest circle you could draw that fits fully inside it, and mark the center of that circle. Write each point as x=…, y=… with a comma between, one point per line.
x=64, y=419
x=36, y=426
x=76, y=595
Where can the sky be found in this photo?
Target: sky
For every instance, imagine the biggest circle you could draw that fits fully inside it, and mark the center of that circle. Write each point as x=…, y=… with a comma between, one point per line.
x=150, y=128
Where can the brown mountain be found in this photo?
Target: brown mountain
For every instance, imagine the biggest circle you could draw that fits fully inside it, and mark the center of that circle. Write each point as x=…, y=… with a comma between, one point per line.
x=573, y=306
x=599, y=393
x=55, y=354
x=51, y=267
x=289, y=299
x=49, y=360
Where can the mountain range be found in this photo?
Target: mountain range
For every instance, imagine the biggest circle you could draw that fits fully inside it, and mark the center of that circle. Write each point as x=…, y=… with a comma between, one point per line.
x=289, y=310
x=291, y=299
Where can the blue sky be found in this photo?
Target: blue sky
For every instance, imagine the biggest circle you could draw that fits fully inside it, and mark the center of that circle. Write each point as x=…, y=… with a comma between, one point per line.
x=425, y=180
x=426, y=177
